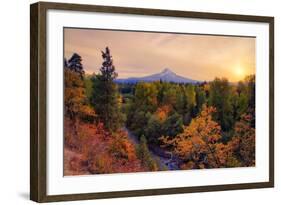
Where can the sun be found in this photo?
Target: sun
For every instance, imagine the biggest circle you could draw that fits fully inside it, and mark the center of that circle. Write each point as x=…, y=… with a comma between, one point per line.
x=239, y=71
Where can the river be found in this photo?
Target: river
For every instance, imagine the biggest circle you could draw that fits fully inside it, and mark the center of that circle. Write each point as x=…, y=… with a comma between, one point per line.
x=165, y=163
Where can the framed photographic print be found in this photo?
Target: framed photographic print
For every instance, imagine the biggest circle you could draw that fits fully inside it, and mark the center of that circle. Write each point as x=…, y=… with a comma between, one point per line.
x=134, y=102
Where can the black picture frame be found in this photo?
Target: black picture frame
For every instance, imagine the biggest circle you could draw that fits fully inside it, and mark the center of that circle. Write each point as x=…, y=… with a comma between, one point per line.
x=38, y=102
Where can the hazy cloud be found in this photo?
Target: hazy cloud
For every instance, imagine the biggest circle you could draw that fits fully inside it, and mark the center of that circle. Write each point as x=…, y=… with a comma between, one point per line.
x=201, y=57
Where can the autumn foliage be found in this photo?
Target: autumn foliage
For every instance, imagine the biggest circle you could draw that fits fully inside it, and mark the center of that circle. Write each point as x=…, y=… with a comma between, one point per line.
x=90, y=147
x=154, y=126
x=200, y=146
x=196, y=146
x=100, y=151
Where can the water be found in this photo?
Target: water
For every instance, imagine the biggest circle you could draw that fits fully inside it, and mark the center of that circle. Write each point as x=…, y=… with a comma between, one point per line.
x=165, y=163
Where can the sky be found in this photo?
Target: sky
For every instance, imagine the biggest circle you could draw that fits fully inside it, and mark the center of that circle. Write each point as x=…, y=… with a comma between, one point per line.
x=137, y=54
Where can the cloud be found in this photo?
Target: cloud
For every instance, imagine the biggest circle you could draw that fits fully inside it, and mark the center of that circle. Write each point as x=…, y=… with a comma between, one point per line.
x=201, y=57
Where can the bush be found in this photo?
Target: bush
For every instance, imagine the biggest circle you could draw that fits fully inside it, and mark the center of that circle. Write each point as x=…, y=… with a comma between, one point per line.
x=100, y=164
x=122, y=148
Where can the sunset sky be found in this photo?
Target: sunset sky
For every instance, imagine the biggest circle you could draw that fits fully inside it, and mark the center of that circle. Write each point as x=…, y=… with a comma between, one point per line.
x=136, y=54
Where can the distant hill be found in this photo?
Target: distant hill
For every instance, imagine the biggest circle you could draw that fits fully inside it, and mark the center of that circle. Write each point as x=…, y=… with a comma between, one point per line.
x=166, y=76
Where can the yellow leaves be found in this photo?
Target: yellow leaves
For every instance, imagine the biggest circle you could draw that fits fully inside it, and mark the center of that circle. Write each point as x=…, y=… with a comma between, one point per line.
x=74, y=93
x=87, y=113
x=146, y=94
x=119, y=100
x=72, y=79
x=121, y=147
x=206, y=87
x=88, y=110
x=190, y=95
x=75, y=100
x=199, y=145
x=101, y=164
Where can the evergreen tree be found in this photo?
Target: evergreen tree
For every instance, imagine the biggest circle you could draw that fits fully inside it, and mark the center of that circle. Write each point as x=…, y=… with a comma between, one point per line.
x=153, y=129
x=75, y=64
x=76, y=107
x=145, y=156
x=74, y=88
x=200, y=98
x=220, y=98
x=173, y=125
x=65, y=64
x=105, y=96
x=251, y=87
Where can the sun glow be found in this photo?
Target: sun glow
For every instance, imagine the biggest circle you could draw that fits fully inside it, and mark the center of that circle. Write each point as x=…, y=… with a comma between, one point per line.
x=239, y=72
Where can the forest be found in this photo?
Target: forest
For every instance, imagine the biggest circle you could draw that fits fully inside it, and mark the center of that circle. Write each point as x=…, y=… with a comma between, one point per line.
x=112, y=127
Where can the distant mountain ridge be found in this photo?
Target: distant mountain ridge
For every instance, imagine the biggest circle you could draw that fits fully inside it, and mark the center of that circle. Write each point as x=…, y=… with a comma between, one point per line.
x=166, y=76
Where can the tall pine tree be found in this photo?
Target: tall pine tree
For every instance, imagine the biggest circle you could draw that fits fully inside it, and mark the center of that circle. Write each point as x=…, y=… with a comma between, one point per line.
x=74, y=88
x=105, y=96
x=75, y=64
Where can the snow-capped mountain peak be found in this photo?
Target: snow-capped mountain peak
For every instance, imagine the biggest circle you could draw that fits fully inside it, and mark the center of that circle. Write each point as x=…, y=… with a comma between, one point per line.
x=167, y=71
x=166, y=75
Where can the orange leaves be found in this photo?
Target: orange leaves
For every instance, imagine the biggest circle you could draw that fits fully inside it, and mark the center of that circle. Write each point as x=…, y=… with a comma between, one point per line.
x=200, y=147
x=101, y=151
x=162, y=112
x=121, y=147
x=224, y=152
x=100, y=164
x=197, y=142
x=243, y=141
x=203, y=129
x=244, y=125
x=87, y=111
x=74, y=95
